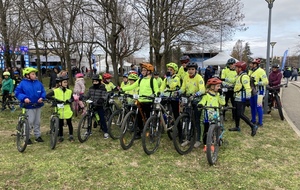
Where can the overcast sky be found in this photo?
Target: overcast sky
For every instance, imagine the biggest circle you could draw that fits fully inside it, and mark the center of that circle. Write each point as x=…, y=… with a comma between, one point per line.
x=284, y=30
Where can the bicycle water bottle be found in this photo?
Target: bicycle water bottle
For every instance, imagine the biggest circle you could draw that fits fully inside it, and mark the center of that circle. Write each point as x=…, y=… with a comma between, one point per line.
x=97, y=116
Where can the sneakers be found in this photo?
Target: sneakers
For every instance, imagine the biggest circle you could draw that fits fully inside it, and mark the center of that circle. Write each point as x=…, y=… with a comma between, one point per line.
x=105, y=136
x=260, y=125
x=71, y=138
x=185, y=143
x=235, y=129
x=60, y=139
x=39, y=139
x=29, y=142
x=253, y=131
x=197, y=144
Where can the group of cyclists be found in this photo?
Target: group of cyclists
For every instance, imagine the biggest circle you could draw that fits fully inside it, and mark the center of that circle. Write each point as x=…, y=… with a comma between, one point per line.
x=245, y=84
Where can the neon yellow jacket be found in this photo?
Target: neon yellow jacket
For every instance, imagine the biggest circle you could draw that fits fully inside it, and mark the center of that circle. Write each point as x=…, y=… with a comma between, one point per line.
x=123, y=84
x=193, y=85
x=181, y=73
x=229, y=76
x=170, y=83
x=212, y=99
x=241, y=94
x=144, y=88
x=159, y=81
x=260, y=76
x=110, y=86
x=59, y=94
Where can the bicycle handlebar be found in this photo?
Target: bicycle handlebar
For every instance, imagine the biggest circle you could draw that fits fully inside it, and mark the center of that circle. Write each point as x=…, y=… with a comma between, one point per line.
x=215, y=107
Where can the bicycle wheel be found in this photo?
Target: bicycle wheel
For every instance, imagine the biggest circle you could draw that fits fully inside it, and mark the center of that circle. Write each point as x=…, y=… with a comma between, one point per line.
x=114, y=124
x=212, y=144
x=128, y=130
x=279, y=107
x=107, y=113
x=114, y=106
x=54, y=127
x=184, y=134
x=22, y=135
x=84, y=128
x=151, y=135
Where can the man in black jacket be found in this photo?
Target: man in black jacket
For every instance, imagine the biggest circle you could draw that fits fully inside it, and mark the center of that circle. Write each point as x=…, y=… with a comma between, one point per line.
x=287, y=74
x=53, y=76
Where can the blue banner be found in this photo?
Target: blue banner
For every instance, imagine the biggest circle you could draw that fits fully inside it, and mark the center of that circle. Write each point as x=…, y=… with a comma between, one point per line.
x=284, y=59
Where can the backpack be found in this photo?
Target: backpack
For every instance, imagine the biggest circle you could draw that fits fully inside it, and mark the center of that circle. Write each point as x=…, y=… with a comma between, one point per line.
x=151, y=83
x=252, y=85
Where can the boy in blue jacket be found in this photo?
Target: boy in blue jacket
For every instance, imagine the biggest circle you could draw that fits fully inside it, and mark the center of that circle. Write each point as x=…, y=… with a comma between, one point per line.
x=31, y=93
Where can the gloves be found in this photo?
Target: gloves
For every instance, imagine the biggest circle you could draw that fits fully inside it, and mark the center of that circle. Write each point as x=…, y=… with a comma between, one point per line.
x=198, y=93
x=260, y=83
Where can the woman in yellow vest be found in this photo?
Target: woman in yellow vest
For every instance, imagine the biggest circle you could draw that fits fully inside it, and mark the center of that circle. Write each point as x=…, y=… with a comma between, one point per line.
x=63, y=95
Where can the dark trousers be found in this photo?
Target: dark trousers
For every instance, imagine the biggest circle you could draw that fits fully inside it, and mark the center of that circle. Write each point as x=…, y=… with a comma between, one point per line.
x=240, y=114
x=229, y=96
x=61, y=126
x=197, y=114
x=5, y=96
x=101, y=113
x=206, y=127
x=146, y=108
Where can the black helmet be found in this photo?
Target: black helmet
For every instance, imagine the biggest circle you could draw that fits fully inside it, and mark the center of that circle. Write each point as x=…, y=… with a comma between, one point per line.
x=155, y=73
x=59, y=79
x=231, y=61
x=96, y=77
x=275, y=66
x=190, y=64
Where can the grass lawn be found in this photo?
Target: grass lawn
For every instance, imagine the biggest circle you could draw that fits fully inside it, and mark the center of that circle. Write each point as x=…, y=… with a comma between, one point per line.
x=270, y=160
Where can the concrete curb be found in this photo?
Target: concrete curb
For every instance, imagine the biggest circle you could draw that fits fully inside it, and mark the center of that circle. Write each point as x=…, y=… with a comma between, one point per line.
x=290, y=122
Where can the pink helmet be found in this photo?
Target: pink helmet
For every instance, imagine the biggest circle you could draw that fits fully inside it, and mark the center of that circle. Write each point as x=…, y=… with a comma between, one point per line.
x=79, y=75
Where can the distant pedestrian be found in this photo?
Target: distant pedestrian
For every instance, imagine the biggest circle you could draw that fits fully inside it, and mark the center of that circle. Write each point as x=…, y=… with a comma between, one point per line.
x=294, y=74
x=287, y=75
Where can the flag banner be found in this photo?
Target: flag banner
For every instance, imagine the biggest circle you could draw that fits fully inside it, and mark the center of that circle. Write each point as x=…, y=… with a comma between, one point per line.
x=284, y=59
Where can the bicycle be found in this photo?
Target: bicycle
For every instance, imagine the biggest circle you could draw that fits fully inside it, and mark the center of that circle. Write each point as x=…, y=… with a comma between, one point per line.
x=274, y=99
x=117, y=117
x=10, y=103
x=84, y=129
x=161, y=118
x=129, y=124
x=184, y=131
x=216, y=130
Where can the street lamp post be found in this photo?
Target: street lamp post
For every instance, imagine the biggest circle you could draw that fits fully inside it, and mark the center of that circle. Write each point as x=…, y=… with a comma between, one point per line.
x=272, y=45
x=270, y=6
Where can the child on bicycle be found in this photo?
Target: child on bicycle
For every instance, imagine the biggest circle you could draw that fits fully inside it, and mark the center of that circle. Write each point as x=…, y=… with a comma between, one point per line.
x=147, y=87
x=213, y=97
x=32, y=91
x=97, y=93
x=193, y=84
x=107, y=82
x=7, y=89
x=63, y=95
x=79, y=90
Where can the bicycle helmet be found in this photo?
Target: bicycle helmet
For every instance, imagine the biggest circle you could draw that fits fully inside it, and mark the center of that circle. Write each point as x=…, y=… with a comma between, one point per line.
x=125, y=75
x=155, y=73
x=185, y=59
x=97, y=77
x=231, y=61
x=241, y=64
x=257, y=61
x=147, y=66
x=213, y=81
x=106, y=76
x=28, y=70
x=133, y=76
x=6, y=73
x=173, y=66
x=190, y=64
x=275, y=66
x=79, y=75
x=63, y=78
x=132, y=72
x=16, y=73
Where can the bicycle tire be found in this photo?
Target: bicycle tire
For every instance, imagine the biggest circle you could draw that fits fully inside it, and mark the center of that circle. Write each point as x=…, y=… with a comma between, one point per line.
x=151, y=135
x=84, y=129
x=171, y=123
x=279, y=107
x=188, y=134
x=22, y=135
x=128, y=130
x=54, y=128
x=114, y=124
x=212, y=141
